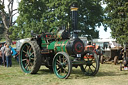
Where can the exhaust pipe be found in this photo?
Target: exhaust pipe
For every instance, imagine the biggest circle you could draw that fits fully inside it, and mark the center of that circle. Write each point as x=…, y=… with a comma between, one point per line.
x=74, y=9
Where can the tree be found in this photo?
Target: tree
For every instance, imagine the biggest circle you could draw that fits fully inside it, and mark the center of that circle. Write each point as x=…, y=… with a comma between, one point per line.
x=30, y=13
x=1, y=28
x=40, y=15
x=117, y=18
x=7, y=17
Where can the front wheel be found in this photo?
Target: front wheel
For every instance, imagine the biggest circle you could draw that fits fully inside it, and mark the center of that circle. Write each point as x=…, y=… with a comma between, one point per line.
x=62, y=65
x=92, y=63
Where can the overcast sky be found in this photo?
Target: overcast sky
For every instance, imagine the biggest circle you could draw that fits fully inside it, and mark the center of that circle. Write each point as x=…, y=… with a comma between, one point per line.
x=15, y=6
x=102, y=33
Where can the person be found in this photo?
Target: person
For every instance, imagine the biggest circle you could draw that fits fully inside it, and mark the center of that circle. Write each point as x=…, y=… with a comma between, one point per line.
x=8, y=54
x=0, y=57
x=17, y=57
x=99, y=52
x=0, y=45
x=3, y=55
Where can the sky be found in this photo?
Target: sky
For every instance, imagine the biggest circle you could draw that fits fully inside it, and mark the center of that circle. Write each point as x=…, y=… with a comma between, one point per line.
x=15, y=6
x=102, y=33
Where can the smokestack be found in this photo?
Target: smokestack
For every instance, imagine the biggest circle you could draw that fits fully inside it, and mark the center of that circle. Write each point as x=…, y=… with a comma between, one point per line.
x=74, y=9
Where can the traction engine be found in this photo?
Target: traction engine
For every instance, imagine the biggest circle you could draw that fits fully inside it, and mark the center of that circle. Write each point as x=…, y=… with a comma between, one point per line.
x=58, y=52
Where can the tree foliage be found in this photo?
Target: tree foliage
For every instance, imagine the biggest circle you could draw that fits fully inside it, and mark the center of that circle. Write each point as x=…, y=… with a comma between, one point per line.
x=7, y=18
x=1, y=28
x=40, y=15
x=117, y=18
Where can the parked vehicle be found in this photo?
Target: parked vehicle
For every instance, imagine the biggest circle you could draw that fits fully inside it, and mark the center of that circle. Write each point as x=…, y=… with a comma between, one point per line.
x=111, y=50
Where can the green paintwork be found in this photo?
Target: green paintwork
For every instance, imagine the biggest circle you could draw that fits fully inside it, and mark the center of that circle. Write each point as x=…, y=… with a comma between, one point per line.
x=51, y=45
x=58, y=46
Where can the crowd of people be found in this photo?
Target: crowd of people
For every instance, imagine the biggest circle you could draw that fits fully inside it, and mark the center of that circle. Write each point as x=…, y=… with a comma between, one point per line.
x=5, y=55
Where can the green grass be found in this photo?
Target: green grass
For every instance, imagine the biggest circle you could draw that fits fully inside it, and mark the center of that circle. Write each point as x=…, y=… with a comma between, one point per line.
x=108, y=74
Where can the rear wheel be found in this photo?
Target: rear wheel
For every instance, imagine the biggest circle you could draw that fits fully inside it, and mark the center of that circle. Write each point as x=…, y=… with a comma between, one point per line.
x=92, y=63
x=62, y=65
x=30, y=57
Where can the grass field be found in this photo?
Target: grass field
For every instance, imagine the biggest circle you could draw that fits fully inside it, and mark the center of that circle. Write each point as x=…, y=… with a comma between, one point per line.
x=108, y=74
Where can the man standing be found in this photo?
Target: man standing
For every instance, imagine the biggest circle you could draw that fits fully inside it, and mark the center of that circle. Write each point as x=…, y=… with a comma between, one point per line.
x=8, y=54
x=1, y=61
x=3, y=55
x=0, y=45
x=0, y=57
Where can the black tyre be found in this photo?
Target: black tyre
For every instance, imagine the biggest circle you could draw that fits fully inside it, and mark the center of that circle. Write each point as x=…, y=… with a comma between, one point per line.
x=30, y=57
x=62, y=65
x=92, y=63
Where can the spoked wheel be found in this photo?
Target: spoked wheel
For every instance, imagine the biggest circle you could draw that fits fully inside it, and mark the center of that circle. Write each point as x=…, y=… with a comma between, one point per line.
x=30, y=57
x=62, y=65
x=92, y=63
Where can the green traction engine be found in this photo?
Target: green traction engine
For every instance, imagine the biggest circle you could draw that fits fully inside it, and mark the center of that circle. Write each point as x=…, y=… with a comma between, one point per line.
x=59, y=52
